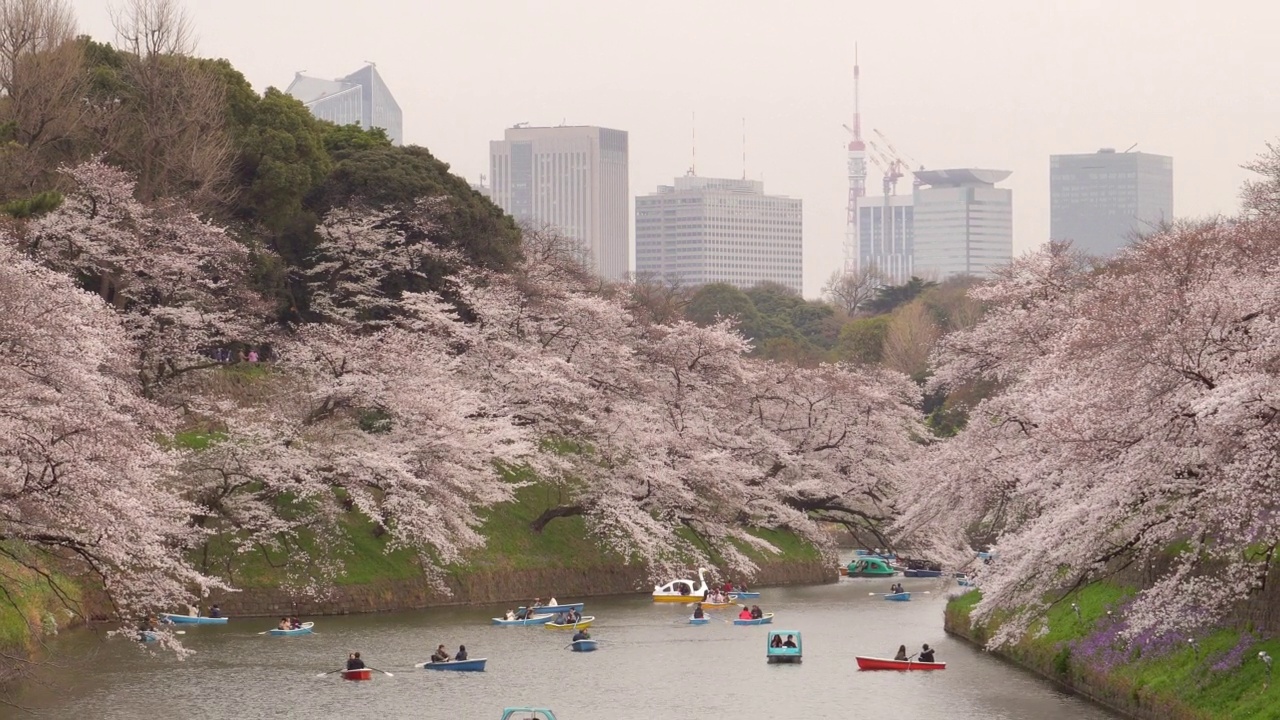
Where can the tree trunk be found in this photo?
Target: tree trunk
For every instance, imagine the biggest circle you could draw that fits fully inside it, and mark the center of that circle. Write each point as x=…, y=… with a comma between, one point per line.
x=553, y=513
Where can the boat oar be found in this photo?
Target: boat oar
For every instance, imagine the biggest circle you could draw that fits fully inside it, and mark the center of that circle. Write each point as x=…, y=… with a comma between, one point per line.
x=330, y=672
x=384, y=672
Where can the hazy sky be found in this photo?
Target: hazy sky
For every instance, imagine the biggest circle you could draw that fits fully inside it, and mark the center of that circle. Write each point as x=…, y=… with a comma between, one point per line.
x=989, y=83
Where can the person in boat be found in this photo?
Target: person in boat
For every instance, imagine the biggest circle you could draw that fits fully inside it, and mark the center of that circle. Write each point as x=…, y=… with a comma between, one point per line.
x=926, y=653
x=440, y=655
x=581, y=635
x=295, y=623
x=728, y=587
x=147, y=624
x=511, y=615
x=553, y=602
x=756, y=613
x=776, y=642
x=698, y=613
x=284, y=624
x=745, y=614
x=215, y=611
x=193, y=611
x=902, y=653
x=790, y=643
x=354, y=662
x=537, y=602
x=572, y=616
x=462, y=653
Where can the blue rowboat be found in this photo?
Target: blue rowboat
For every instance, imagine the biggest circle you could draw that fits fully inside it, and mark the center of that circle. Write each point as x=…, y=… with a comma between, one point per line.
x=767, y=619
x=576, y=607
x=304, y=630
x=744, y=595
x=472, y=665
x=531, y=713
x=147, y=636
x=922, y=573
x=900, y=597
x=584, y=645
x=699, y=621
x=542, y=619
x=189, y=620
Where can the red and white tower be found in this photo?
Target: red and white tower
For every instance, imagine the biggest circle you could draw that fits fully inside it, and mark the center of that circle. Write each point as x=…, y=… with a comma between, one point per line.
x=857, y=177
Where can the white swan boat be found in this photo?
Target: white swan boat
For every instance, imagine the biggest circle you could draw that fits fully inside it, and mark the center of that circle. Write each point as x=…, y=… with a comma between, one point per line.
x=682, y=590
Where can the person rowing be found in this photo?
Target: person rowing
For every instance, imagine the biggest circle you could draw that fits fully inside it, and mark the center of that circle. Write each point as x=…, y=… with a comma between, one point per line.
x=354, y=662
x=440, y=655
x=926, y=654
x=581, y=635
x=698, y=614
x=756, y=612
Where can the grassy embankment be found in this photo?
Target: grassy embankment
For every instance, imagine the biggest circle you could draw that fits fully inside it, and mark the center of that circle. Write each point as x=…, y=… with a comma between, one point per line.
x=1219, y=676
x=30, y=605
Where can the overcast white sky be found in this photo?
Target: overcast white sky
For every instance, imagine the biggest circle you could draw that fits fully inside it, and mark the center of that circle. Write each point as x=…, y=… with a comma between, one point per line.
x=988, y=83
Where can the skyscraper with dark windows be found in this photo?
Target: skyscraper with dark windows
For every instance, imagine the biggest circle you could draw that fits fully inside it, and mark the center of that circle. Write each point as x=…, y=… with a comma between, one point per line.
x=1102, y=201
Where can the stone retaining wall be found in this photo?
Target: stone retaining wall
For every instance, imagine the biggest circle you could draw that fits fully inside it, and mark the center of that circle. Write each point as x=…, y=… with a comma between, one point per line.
x=487, y=587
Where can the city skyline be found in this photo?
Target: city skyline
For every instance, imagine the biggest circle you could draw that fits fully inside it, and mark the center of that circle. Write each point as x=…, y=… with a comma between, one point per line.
x=1102, y=201
x=1009, y=100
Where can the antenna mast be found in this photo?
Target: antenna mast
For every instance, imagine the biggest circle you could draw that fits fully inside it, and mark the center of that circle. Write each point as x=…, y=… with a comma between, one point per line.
x=744, y=148
x=857, y=159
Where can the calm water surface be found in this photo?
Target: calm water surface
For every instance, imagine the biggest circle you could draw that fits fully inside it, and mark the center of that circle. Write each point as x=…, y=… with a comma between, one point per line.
x=651, y=664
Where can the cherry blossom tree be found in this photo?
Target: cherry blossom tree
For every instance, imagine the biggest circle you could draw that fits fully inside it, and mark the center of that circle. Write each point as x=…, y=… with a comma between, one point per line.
x=1135, y=426
x=82, y=478
x=181, y=284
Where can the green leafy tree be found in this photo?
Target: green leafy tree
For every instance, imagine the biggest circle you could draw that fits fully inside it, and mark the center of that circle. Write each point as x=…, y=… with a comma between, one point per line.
x=722, y=300
x=862, y=340
x=889, y=297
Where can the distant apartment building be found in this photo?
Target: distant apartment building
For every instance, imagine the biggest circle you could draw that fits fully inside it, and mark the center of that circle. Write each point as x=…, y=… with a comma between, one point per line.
x=573, y=178
x=886, y=236
x=702, y=230
x=360, y=98
x=1101, y=201
x=963, y=223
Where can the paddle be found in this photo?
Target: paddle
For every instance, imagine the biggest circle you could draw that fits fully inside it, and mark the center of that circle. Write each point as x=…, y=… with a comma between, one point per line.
x=384, y=672
x=330, y=672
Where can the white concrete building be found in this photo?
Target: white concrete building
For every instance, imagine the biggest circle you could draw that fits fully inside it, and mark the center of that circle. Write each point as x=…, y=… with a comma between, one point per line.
x=361, y=98
x=963, y=223
x=886, y=236
x=705, y=230
x=574, y=178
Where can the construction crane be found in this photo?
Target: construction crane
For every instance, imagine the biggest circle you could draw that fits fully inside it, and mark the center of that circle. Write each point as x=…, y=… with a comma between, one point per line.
x=906, y=161
x=893, y=168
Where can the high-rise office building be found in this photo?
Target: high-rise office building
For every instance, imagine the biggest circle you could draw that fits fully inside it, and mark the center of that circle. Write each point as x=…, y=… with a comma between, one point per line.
x=1101, y=201
x=703, y=230
x=886, y=235
x=963, y=223
x=360, y=98
x=573, y=178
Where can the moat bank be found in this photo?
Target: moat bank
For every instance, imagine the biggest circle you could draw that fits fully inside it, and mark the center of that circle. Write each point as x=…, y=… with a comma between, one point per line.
x=1218, y=675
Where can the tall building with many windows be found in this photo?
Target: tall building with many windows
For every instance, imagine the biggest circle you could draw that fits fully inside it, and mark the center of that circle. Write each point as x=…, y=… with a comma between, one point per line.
x=360, y=98
x=886, y=236
x=702, y=230
x=963, y=223
x=1101, y=201
x=573, y=178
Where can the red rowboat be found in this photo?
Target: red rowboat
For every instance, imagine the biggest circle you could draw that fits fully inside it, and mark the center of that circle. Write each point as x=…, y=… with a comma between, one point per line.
x=361, y=674
x=870, y=663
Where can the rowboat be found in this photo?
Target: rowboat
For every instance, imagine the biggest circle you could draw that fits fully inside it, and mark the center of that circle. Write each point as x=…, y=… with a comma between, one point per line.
x=921, y=573
x=743, y=595
x=871, y=663
x=900, y=597
x=699, y=621
x=527, y=713
x=359, y=674
x=766, y=619
x=190, y=620
x=682, y=590
x=782, y=654
x=585, y=622
x=718, y=606
x=304, y=630
x=535, y=620
x=584, y=645
x=471, y=665
x=147, y=636
x=555, y=609
x=870, y=567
